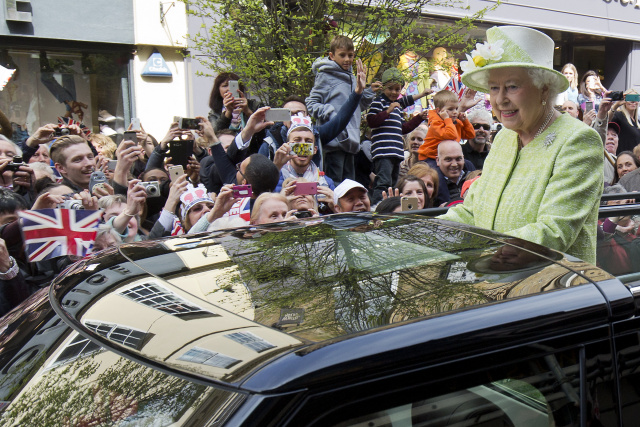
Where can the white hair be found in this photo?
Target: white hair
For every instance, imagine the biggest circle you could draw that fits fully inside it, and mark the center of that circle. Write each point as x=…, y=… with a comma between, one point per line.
x=15, y=146
x=540, y=78
x=42, y=167
x=480, y=114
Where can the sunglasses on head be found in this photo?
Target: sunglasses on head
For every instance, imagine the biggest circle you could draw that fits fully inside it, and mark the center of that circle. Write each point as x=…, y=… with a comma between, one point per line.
x=481, y=125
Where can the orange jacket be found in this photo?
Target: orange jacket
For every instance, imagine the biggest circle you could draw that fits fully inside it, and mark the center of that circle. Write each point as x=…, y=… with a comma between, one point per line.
x=441, y=130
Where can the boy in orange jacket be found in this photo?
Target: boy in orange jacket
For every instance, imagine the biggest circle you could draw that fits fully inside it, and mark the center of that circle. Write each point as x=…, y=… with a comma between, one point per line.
x=446, y=122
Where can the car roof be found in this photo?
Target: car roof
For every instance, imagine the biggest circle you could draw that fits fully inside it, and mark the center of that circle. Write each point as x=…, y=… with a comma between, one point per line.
x=217, y=307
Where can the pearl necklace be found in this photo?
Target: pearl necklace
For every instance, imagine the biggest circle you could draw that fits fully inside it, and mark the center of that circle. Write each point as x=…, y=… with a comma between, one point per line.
x=545, y=124
x=547, y=120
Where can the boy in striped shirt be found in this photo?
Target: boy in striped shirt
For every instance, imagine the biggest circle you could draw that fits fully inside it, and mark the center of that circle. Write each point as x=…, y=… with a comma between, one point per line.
x=387, y=127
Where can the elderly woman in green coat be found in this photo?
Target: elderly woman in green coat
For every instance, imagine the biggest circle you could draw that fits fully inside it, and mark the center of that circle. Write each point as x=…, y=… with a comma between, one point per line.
x=543, y=178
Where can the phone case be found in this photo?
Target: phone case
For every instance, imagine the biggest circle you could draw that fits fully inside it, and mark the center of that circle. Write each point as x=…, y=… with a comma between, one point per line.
x=305, y=188
x=409, y=203
x=233, y=88
x=180, y=150
x=175, y=172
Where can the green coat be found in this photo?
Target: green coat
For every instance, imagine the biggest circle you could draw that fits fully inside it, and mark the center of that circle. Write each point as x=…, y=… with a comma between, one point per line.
x=547, y=194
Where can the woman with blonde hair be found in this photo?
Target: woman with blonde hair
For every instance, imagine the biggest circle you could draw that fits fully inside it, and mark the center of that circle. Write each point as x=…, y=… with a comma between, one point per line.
x=571, y=94
x=104, y=145
x=626, y=116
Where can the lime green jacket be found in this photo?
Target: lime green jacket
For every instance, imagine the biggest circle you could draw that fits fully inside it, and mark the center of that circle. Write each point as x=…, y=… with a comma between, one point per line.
x=547, y=193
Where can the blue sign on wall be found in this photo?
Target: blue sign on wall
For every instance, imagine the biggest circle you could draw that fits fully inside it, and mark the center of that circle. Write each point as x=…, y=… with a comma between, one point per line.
x=156, y=67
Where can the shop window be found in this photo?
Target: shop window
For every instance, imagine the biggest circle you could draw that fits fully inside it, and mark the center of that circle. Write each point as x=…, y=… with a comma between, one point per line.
x=87, y=87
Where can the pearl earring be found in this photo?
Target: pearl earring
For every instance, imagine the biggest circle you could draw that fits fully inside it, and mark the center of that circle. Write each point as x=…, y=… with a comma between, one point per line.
x=544, y=102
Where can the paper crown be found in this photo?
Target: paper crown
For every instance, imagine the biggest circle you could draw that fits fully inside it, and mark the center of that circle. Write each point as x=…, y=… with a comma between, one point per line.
x=193, y=196
x=298, y=122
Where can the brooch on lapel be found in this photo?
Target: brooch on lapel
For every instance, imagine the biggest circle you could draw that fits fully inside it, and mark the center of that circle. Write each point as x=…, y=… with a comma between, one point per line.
x=549, y=139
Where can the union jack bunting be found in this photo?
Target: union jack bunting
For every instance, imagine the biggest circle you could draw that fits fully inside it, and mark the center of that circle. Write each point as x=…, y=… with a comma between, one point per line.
x=455, y=85
x=50, y=233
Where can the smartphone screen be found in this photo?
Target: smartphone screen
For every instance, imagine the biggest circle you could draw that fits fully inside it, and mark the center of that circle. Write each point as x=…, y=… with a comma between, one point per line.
x=588, y=106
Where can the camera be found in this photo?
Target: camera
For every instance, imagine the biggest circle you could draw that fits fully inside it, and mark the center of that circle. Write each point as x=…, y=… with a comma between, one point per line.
x=61, y=131
x=15, y=164
x=616, y=95
x=302, y=214
x=71, y=204
x=186, y=123
x=152, y=188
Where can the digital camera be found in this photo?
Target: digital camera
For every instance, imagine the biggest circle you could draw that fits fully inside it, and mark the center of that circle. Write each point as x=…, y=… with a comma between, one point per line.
x=71, y=204
x=15, y=164
x=152, y=188
x=61, y=131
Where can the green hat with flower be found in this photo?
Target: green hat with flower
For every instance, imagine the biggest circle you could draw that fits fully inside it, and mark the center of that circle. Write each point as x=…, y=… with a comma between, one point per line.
x=510, y=46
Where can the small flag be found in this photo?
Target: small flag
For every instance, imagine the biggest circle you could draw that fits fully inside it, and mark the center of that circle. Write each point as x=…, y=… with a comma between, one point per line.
x=455, y=85
x=50, y=233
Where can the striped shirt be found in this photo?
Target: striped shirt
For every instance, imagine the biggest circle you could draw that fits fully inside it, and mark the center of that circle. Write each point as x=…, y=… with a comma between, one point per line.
x=387, y=129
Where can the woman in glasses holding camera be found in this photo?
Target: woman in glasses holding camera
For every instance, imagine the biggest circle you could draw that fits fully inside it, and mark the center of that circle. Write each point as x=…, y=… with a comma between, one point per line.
x=626, y=116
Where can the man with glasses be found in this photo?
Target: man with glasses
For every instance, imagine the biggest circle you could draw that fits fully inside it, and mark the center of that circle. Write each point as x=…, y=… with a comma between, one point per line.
x=476, y=150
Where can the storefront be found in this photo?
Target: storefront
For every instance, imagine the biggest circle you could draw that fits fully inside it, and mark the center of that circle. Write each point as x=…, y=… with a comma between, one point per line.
x=600, y=35
x=71, y=60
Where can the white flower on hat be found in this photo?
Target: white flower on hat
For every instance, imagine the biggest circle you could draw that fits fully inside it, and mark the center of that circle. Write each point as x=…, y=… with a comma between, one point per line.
x=483, y=54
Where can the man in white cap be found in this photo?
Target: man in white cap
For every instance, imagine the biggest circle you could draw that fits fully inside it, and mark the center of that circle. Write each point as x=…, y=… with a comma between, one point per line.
x=351, y=196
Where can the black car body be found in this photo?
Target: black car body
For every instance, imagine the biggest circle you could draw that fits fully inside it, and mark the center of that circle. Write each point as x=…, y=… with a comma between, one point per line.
x=347, y=320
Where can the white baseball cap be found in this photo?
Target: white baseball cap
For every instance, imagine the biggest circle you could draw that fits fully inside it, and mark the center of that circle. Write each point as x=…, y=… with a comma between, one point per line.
x=344, y=187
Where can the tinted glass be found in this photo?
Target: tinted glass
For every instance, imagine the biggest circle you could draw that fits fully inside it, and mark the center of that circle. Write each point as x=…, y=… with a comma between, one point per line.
x=536, y=393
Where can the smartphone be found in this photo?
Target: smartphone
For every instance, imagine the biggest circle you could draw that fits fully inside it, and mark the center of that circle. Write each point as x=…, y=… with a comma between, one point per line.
x=97, y=177
x=180, y=151
x=130, y=135
x=302, y=149
x=304, y=188
x=175, y=172
x=409, y=203
x=135, y=123
x=112, y=165
x=278, y=115
x=588, y=106
x=632, y=97
x=233, y=88
x=188, y=123
x=241, y=191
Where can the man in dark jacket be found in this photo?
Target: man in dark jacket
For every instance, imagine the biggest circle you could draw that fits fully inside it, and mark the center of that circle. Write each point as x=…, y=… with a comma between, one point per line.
x=452, y=169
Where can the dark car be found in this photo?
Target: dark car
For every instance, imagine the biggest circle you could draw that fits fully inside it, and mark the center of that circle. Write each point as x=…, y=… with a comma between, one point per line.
x=350, y=320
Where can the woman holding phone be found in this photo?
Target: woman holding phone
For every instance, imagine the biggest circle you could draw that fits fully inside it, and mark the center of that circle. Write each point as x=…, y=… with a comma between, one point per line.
x=626, y=116
x=591, y=90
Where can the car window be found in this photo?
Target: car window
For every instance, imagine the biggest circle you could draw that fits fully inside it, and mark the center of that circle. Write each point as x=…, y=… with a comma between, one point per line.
x=536, y=393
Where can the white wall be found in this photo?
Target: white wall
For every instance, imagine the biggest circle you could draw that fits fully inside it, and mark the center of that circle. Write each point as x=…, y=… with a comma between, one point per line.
x=157, y=99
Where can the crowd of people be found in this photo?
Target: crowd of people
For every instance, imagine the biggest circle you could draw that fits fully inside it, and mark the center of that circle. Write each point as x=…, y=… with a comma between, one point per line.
x=539, y=178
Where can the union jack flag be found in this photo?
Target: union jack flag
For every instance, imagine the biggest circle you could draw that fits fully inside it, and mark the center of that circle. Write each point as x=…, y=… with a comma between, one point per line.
x=50, y=233
x=241, y=208
x=455, y=85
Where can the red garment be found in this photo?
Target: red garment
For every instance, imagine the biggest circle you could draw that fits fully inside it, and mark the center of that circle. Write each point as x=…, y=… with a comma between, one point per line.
x=441, y=130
